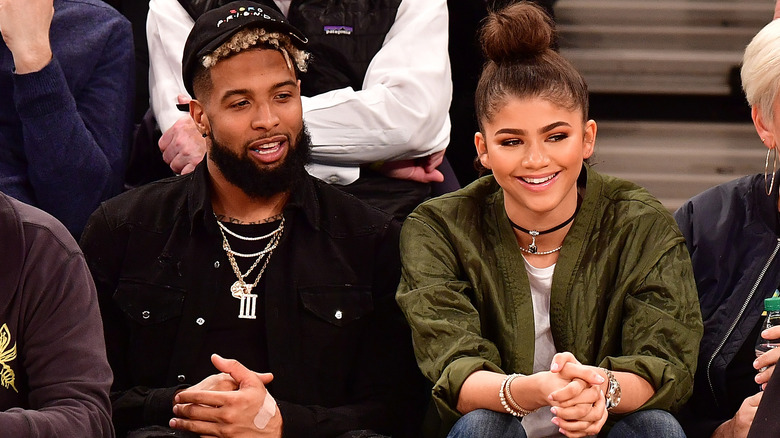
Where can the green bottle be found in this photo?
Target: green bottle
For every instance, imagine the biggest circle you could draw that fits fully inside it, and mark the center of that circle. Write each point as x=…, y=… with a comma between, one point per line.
x=772, y=308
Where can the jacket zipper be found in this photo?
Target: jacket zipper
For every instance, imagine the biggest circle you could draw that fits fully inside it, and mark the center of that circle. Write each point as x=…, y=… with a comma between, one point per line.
x=739, y=316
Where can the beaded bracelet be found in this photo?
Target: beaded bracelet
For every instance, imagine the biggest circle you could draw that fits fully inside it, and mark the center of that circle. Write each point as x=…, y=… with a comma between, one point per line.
x=502, y=397
x=505, y=393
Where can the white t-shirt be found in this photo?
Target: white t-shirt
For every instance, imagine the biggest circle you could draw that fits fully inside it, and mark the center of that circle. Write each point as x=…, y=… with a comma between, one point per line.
x=538, y=424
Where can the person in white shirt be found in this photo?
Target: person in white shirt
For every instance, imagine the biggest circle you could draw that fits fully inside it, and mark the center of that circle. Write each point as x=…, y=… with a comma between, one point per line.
x=391, y=129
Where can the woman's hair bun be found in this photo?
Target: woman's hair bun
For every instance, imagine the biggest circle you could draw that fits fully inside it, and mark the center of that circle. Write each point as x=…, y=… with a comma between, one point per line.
x=519, y=31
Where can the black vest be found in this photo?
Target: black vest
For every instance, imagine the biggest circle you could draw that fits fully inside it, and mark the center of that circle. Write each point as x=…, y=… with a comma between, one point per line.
x=344, y=36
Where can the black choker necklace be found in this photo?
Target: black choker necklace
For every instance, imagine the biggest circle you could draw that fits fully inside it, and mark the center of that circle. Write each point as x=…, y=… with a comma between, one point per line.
x=532, y=249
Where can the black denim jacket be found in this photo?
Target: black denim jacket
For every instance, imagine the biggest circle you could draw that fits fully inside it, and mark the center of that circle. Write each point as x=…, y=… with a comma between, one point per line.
x=338, y=346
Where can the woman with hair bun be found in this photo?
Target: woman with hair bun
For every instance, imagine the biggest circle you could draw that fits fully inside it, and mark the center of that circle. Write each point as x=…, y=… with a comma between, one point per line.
x=547, y=299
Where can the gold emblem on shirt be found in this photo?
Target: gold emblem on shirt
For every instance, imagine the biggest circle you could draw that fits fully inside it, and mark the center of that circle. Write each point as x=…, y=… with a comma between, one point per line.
x=7, y=376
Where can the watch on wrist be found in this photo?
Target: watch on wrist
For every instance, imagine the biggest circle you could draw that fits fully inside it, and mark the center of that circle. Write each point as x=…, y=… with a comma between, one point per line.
x=613, y=390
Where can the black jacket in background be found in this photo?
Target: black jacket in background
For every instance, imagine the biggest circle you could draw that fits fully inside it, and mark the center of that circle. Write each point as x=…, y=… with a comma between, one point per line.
x=338, y=346
x=731, y=234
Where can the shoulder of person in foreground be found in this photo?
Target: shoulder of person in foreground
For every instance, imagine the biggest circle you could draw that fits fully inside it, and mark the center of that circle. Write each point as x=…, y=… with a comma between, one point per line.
x=630, y=197
x=154, y=203
x=738, y=199
x=631, y=215
x=54, y=375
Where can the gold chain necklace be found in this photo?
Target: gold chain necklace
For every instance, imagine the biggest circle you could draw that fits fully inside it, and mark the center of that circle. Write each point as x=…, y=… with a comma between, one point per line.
x=240, y=289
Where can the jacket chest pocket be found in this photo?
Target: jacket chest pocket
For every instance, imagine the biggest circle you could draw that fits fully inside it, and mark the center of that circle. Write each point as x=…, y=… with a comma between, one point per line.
x=147, y=304
x=152, y=314
x=333, y=328
x=338, y=306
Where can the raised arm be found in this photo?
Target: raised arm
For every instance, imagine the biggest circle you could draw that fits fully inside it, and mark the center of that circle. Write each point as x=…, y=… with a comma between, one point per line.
x=73, y=96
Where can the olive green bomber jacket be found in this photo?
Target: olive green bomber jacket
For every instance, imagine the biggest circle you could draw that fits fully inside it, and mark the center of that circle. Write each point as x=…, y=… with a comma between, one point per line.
x=623, y=293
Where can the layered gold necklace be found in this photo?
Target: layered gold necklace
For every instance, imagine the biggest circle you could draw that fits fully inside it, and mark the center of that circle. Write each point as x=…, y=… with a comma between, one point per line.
x=240, y=289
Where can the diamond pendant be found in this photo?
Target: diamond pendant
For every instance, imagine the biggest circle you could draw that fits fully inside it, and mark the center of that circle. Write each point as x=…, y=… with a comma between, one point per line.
x=239, y=288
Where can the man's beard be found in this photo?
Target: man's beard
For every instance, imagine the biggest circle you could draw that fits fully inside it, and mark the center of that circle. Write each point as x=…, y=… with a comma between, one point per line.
x=259, y=183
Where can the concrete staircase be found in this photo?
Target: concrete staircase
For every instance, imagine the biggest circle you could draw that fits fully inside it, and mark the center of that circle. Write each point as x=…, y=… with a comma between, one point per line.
x=676, y=160
x=634, y=46
x=640, y=48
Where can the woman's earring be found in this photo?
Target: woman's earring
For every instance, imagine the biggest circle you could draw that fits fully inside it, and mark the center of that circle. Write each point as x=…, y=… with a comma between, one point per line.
x=768, y=186
x=204, y=135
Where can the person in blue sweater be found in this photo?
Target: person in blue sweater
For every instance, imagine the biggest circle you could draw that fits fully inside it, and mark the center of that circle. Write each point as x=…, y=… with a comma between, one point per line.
x=67, y=87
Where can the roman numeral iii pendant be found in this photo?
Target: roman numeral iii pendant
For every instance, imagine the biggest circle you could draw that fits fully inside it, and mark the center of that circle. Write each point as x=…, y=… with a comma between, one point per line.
x=248, y=305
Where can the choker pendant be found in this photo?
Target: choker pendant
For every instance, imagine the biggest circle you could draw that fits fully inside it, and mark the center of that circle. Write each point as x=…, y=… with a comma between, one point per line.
x=532, y=247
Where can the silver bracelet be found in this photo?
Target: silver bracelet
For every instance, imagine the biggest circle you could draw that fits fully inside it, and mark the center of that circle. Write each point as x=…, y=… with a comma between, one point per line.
x=612, y=396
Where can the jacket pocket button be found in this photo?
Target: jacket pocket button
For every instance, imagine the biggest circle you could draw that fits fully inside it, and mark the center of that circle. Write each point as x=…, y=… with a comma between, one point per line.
x=146, y=314
x=200, y=321
x=338, y=314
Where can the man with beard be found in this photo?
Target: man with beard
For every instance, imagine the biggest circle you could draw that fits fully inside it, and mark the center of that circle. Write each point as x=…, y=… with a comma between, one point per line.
x=249, y=258
x=376, y=97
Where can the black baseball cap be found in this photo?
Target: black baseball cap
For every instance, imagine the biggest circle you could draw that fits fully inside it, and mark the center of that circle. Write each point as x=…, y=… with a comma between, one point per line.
x=216, y=26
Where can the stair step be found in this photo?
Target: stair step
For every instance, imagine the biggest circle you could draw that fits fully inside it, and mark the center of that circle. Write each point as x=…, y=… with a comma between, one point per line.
x=694, y=164
x=706, y=135
x=676, y=160
x=652, y=83
x=666, y=13
x=600, y=36
x=652, y=61
x=655, y=71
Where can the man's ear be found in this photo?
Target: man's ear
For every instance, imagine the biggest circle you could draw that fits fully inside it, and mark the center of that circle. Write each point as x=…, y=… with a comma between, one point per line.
x=482, y=154
x=200, y=117
x=764, y=127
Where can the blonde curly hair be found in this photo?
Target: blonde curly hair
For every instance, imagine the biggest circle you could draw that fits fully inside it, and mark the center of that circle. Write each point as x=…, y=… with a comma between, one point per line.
x=251, y=37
